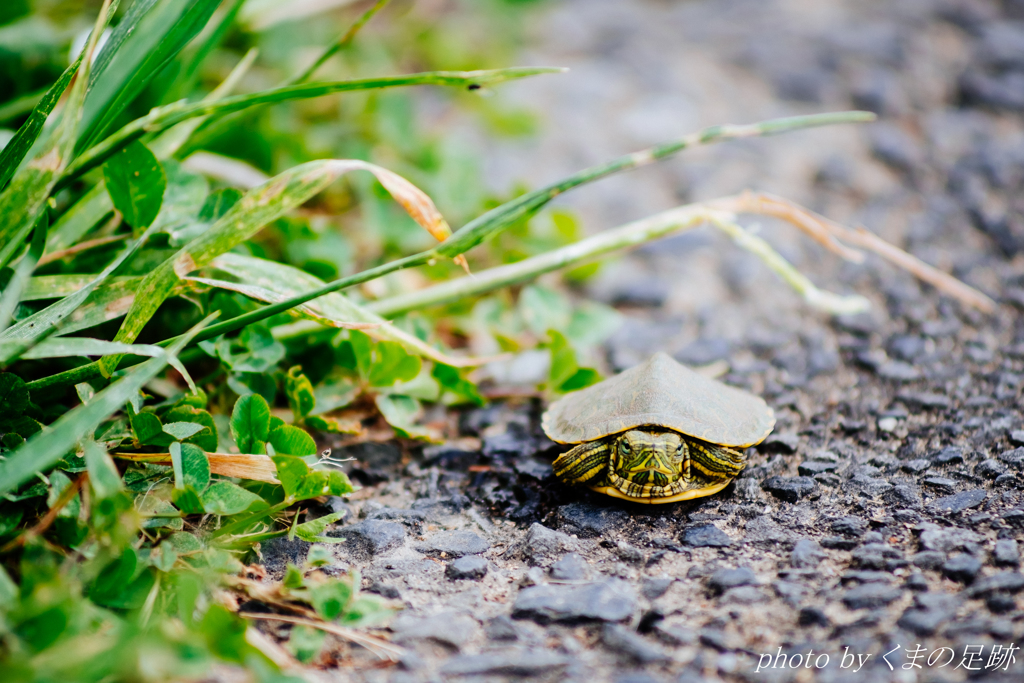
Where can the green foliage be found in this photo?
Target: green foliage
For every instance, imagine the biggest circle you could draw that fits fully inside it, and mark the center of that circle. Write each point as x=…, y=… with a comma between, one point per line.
x=250, y=423
x=300, y=482
x=136, y=182
x=565, y=374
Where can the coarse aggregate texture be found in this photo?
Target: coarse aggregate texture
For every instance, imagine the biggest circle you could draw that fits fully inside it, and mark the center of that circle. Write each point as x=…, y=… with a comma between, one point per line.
x=886, y=512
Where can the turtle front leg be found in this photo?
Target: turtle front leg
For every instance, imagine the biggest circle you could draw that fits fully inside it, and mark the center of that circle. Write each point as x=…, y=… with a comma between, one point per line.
x=583, y=463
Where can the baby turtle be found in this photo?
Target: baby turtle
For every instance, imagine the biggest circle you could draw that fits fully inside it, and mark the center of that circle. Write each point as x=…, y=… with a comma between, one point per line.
x=656, y=433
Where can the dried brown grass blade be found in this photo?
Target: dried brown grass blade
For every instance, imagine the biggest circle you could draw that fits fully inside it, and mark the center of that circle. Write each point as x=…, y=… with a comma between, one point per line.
x=243, y=466
x=831, y=235
x=377, y=646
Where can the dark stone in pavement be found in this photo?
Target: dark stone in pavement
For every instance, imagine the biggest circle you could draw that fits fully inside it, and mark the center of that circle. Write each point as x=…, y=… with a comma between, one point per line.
x=928, y=401
x=706, y=536
x=947, y=456
x=587, y=520
x=1005, y=553
x=408, y=517
x=502, y=627
x=1000, y=603
x=618, y=638
x=850, y=526
x=958, y=502
x=813, y=467
x=279, y=552
x=724, y=579
x=870, y=596
x=453, y=544
x=928, y=559
x=806, y=553
x=948, y=539
x=865, y=576
x=611, y=600
x=989, y=469
x=509, y=663
x=371, y=537
x=839, y=543
x=1014, y=457
x=1003, y=582
x=812, y=616
x=923, y=621
x=454, y=630
x=543, y=546
x=962, y=568
x=875, y=556
x=780, y=443
x=789, y=489
x=572, y=567
x=384, y=590
x=653, y=587
x=917, y=582
x=468, y=567
x=916, y=466
x=1014, y=519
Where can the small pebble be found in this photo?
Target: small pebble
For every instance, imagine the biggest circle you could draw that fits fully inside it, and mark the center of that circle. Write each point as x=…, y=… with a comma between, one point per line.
x=467, y=567
x=1005, y=553
x=962, y=568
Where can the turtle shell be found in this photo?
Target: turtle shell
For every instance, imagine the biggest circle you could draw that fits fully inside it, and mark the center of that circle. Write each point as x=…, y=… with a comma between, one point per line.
x=662, y=393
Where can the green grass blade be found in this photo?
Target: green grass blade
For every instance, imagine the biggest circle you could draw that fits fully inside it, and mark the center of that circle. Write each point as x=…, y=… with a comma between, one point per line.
x=55, y=286
x=44, y=322
x=24, y=200
x=83, y=216
x=207, y=43
x=500, y=218
x=16, y=108
x=217, y=125
x=162, y=118
x=146, y=41
x=272, y=282
x=340, y=44
x=257, y=208
x=45, y=449
x=69, y=347
x=21, y=143
x=22, y=272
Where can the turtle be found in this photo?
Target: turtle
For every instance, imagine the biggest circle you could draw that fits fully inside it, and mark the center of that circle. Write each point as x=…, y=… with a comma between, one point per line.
x=656, y=433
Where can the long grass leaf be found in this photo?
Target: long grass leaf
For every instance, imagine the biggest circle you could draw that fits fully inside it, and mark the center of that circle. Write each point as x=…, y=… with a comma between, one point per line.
x=146, y=41
x=83, y=216
x=506, y=215
x=216, y=125
x=25, y=197
x=272, y=282
x=257, y=208
x=45, y=449
x=69, y=347
x=207, y=42
x=21, y=143
x=22, y=272
x=45, y=322
x=499, y=218
x=343, y=42
x=162, y=118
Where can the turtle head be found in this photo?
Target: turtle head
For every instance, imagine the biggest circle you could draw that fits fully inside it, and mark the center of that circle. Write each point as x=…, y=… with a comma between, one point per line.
x=649, y=458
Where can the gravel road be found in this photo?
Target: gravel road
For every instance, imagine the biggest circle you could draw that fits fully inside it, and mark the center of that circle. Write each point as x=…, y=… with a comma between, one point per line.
x=876, y=535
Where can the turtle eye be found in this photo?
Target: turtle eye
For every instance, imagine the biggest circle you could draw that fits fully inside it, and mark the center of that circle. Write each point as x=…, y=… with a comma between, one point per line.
x=624, y=447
